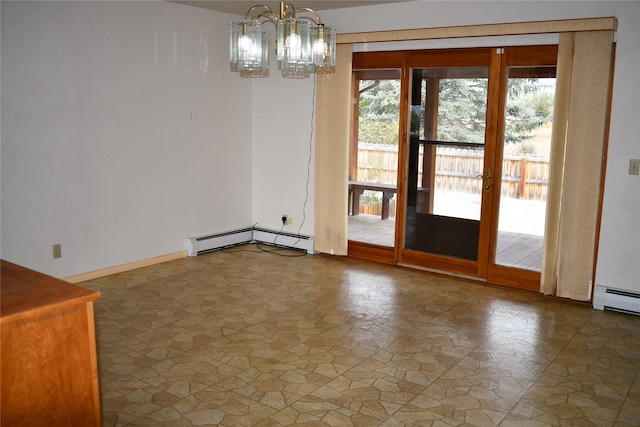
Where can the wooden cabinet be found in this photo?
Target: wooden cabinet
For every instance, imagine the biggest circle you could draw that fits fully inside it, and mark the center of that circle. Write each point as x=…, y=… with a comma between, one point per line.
x=48, y=373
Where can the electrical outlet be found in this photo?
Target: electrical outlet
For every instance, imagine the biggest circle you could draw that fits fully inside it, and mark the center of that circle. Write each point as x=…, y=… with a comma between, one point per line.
x=289, y=220
x=57, y=251
x=634, y=167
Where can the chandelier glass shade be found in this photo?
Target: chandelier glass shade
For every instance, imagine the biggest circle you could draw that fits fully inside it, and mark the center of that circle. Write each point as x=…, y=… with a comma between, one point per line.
x=304, y=45
x=249, y=48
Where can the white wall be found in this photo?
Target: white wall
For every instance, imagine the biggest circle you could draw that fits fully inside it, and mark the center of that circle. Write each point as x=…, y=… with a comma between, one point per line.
x=123, y=133
x=119, y=152
x=619, y=250
x=283, y=143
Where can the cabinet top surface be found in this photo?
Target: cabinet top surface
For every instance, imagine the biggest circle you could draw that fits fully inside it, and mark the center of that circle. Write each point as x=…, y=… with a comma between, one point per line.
x=27, y=293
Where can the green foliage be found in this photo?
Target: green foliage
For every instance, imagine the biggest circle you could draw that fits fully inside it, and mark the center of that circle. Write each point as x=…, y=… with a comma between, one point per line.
x=379, y=112
x=381, y=102
x=528, y=108
x=369, y=198
x=461, y=110
x=378, y=132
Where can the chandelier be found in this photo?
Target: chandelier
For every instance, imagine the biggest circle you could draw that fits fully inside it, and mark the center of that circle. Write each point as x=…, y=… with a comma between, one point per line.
x=304, y=44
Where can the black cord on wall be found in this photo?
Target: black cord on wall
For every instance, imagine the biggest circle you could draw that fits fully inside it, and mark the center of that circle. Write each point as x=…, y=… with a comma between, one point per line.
x=276, y=249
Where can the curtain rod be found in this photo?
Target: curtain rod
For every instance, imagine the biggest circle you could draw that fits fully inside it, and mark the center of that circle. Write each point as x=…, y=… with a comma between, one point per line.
x=485, y=30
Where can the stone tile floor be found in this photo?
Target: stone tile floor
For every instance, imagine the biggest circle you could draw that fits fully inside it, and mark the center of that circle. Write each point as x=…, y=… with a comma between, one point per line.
x=253, y=339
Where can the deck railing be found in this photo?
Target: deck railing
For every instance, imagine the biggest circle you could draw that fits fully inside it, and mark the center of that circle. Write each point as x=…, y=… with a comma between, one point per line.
x=523, y=176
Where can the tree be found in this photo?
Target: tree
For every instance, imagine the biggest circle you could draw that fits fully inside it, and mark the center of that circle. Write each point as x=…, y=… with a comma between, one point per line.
x=461, y=109
x=379, y=111
x=528, y=108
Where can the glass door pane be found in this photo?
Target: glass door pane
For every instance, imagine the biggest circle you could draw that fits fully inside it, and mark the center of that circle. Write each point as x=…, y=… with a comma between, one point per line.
x=446, y=161
x=525, y=167
x=374, y=163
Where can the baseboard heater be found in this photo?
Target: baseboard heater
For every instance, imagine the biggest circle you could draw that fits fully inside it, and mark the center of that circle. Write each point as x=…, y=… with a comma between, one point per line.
x=214, y=242
x=620, y=300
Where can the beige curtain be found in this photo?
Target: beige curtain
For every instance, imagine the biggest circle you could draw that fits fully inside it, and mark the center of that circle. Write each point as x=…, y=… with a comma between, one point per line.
x=579, y=133
x=332, y=156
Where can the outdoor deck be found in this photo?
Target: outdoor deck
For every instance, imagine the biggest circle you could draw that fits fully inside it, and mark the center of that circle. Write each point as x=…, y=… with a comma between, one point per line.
x=520, y=238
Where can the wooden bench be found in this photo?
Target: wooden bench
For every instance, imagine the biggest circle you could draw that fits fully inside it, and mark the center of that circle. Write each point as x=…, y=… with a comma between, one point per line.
x=356, y=188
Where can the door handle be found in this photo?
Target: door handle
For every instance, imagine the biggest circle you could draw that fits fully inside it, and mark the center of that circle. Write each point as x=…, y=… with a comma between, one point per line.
x=487, y=182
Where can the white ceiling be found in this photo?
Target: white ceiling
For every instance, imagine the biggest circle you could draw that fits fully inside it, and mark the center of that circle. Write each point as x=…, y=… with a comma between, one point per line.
x=240, y=7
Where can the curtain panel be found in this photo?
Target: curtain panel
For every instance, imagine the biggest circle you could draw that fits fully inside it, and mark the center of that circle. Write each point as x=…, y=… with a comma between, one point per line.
x=578, y=152
x=333, y=109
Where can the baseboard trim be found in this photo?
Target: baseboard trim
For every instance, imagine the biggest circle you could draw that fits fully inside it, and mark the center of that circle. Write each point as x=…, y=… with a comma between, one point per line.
x=124, y=267
x=214, y=242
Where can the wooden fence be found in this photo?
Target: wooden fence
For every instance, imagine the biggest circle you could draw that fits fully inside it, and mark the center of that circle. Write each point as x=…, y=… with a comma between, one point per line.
x=458, y=170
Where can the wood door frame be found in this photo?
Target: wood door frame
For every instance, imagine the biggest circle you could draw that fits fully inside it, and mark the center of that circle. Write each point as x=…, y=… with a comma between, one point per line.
x=450, y=58
x=371, y=61
x=515, y=56
x=484, y=268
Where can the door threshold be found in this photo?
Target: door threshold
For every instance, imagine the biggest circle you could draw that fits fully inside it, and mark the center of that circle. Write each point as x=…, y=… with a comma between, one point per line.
x=443, y=272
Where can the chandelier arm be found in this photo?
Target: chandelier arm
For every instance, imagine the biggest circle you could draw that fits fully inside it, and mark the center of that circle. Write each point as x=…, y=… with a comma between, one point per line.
x=268, y=17
x=284, y=7
x=267, y=11
x=317, y=19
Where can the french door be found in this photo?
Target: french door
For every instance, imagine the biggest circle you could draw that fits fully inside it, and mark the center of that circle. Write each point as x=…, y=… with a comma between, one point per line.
x=459, y=126
x=519, y=201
